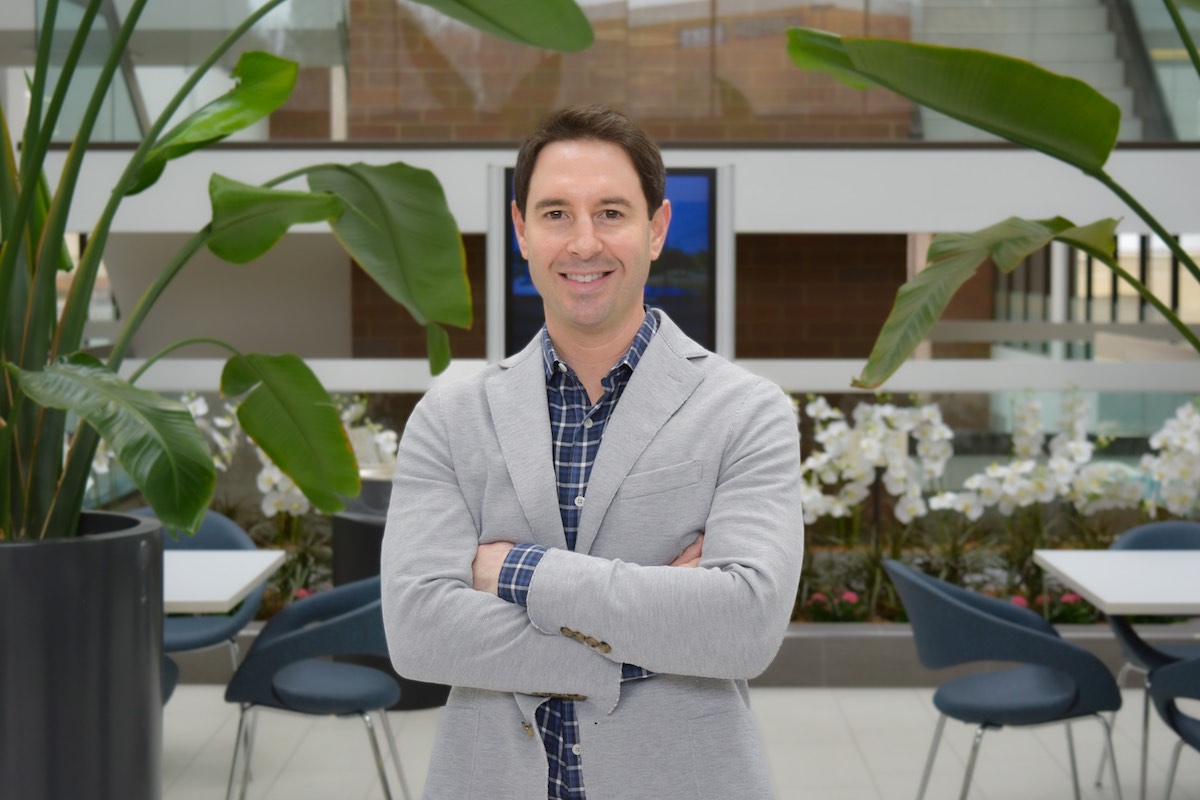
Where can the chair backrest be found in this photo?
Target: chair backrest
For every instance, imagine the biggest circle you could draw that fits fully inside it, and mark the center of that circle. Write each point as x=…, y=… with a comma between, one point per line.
x=952, y=625
x=216, y=532
x=1173, y=534
x=1171, y=683
x=346, y=620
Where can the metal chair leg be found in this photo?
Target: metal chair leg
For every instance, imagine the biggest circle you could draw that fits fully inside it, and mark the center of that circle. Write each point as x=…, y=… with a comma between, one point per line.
x=240, y=745
x=1174, y=766
x=966, y=787
x=383, y=778
x=1145, y=740
x=391, y=737
x=1124, y=671
x=937, y=737
x=1112, y=755
x=1074, y=766
x=248, y=748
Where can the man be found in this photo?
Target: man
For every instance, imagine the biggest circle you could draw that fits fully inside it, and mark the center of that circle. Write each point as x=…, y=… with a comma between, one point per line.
x=598, y=540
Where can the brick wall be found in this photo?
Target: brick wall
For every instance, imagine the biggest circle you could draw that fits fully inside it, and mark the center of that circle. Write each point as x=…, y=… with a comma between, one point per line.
x=416, y=77
x=815, y=295
x=798, y=296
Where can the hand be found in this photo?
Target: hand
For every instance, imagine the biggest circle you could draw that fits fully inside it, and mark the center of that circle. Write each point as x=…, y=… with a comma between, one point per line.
x=485, y=569
x=690, y=557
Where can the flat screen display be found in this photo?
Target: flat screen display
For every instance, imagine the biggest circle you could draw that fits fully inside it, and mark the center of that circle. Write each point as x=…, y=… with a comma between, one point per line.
x=682, y=281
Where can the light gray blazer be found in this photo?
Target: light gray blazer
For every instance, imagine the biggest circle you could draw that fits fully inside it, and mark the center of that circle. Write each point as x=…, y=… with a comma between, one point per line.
x=695, y=445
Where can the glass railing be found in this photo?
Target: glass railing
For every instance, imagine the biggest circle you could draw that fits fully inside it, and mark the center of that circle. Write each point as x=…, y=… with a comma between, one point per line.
x=688, y=71
x=172, y=37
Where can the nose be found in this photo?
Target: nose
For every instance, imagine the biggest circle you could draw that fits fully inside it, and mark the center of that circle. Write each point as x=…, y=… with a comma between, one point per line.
x=584, y=244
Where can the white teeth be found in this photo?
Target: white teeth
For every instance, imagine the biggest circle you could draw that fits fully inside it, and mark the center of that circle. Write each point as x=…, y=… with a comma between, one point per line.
x=584, y=278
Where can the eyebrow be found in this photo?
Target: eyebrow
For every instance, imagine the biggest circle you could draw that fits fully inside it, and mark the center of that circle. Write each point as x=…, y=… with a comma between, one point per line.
x=555, y=202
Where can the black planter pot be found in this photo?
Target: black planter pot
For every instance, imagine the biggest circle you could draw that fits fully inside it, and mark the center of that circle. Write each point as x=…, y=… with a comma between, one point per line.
x=80, y=663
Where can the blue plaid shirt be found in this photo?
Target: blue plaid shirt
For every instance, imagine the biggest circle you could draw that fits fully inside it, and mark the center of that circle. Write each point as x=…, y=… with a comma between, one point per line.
x=576, y=428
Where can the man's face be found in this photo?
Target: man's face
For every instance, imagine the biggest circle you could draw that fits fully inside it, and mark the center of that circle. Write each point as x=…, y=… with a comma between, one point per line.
x=589, y=239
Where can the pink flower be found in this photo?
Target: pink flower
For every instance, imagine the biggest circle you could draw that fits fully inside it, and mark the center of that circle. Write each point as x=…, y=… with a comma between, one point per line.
x=1041, y=600
x=1018, y=600
x=301, y=593
x=850, y=597
x=1071, y=597
x=818, y=597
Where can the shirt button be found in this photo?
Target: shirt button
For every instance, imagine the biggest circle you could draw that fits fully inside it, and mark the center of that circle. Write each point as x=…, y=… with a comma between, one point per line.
x=587, y=423
x=576, y=749
x=579, y=501
x=562, y=367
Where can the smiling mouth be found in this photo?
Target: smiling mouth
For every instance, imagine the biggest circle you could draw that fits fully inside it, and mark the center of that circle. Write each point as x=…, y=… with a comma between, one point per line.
x=588, y=278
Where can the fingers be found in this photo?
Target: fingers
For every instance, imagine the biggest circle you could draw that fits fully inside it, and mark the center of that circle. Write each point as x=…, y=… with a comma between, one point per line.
x=690, y=557
x=485, y=569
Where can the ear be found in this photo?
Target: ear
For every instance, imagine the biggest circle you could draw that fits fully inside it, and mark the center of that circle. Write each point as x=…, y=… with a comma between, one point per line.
x=658, y=229
x=519, y=227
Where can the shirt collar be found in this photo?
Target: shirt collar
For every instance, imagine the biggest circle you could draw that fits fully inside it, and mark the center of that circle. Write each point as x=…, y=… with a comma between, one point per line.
x=633, y=355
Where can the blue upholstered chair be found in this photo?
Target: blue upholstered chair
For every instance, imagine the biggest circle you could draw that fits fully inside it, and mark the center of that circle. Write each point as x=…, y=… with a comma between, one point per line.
x=1168, y=684
x=196, y=631
x=170, y=678
x=1055, y=682
x=1141, y=656
x=290, y=668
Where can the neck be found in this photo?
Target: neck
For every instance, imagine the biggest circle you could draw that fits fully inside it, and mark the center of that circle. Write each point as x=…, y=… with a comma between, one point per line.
x=592, y=356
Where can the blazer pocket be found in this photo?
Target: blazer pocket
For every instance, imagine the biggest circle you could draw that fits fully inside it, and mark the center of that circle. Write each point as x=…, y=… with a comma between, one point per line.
x=665, y=479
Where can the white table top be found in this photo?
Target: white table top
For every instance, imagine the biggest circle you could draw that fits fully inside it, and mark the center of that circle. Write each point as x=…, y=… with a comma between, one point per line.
x=213, y=581
x=1129, y=581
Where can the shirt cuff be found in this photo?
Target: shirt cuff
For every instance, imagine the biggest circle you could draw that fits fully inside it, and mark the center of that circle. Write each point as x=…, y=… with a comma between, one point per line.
x=516, y=572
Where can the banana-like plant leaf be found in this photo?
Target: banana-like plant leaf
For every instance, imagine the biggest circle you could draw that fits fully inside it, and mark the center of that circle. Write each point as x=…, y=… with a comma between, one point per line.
x=398, y=226
x=1194, y=4
x=553, y=24
x=952, y=260
x=1060, y=116
x=288, y=413
x=249, y=220
x=437, y=345
x=155, y=438
x=265, y=82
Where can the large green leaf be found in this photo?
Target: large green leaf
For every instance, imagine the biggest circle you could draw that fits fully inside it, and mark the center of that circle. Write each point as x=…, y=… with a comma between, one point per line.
x=154, y=438
x=553, y=24
x=398, y=226
x=288, y=413
x=265, y=82
x=953, y=258
x=248, y=220
x=1013, y=99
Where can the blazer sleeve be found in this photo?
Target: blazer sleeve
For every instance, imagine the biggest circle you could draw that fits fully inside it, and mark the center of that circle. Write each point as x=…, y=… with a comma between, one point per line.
x=725, y=619
x=441, y=629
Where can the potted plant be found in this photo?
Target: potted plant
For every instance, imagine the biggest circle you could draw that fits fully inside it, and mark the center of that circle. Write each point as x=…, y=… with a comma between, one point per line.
x=81, y=623
x=1057, y=115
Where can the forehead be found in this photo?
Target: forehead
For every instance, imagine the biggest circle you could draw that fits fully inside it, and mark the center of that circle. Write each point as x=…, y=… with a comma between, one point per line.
x=584, y=170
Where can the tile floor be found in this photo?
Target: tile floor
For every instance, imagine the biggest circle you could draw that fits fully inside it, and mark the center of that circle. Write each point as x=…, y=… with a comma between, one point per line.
x=826, y=744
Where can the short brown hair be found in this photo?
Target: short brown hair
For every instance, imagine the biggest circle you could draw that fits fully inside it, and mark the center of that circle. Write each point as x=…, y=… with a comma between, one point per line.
x=601, y=123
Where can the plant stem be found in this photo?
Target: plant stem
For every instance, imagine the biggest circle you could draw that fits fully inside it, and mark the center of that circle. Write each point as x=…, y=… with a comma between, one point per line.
x=36, y=351
x=35, y=145
x=152, y=293
x=70, y=332
x=1150, y=220
x=179, y=346
x=1184, y=34
x=1153, y=300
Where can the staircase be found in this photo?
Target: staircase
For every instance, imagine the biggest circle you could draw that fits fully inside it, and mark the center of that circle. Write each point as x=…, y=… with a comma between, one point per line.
x=1070, y=37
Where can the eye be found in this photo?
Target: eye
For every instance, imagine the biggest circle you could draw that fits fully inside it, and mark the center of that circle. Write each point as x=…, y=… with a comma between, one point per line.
x=611, y=213
x=555, y=214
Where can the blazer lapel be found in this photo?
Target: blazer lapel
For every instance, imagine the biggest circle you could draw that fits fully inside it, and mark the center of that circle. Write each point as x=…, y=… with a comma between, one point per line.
x=663, y=380
x=517, y=400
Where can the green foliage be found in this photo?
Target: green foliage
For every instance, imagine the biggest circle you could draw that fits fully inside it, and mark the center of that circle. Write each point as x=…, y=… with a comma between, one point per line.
x=1017, y=101
x=392, y=219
